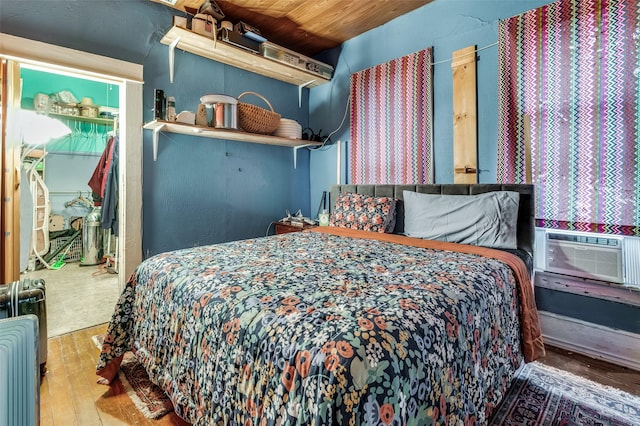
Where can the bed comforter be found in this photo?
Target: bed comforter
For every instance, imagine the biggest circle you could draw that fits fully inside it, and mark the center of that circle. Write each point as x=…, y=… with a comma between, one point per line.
x=328, y=327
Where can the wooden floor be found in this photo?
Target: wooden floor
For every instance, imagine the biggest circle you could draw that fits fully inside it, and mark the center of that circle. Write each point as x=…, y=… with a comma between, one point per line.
x=70, y=395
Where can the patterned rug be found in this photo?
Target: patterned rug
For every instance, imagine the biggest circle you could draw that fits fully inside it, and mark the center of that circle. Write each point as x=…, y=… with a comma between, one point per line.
x=540, y=395
x=152, y=402
x=543, y=395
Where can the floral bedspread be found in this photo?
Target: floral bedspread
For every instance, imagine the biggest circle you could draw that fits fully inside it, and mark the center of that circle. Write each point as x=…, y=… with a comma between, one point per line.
x=318, y=329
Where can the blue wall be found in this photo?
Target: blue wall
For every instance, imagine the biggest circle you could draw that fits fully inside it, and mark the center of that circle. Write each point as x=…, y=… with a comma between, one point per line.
x=200, y=191
x=203, y=191
x=446, y=25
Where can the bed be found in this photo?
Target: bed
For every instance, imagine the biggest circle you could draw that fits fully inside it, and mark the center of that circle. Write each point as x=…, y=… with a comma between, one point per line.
x=334, y=325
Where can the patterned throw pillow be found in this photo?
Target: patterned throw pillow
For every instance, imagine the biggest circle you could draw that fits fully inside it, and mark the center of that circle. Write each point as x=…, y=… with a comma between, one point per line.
x=364, y=212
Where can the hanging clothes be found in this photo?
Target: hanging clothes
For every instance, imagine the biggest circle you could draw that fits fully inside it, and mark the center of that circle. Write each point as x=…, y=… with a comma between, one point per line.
x=96, y=182
x=109, y=208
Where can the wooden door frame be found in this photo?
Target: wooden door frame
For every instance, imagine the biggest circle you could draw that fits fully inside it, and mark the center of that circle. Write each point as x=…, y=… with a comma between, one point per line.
x=129, y=77
x=9, y=180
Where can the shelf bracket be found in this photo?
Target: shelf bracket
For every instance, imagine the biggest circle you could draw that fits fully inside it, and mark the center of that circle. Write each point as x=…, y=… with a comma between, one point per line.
x=300, y=87
x=156, y=133
x=295, y=153
x=172, y=51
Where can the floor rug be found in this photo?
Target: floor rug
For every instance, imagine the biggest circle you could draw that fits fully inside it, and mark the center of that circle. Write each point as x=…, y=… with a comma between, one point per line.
x=152, y=401
x=543, y=395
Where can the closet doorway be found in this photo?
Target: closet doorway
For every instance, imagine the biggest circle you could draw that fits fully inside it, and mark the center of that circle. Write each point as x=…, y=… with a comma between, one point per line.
x=77, y=296
x=71, y=244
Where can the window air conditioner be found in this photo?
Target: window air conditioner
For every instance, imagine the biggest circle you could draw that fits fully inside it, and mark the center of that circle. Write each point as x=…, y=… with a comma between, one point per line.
x=595, y=256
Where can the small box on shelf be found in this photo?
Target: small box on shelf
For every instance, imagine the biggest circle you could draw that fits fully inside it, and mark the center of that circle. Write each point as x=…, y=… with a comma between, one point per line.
x=283, y=55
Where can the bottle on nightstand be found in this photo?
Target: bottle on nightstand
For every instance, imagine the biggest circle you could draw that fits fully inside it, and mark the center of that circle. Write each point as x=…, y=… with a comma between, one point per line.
x=323, y=218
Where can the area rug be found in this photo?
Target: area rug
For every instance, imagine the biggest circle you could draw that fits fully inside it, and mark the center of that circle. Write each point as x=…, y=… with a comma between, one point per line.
x=540, y=395
x=150, y=400
x=543, y=395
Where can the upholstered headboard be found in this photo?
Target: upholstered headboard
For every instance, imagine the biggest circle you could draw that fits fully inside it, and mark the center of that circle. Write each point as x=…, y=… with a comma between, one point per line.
x=526, y=222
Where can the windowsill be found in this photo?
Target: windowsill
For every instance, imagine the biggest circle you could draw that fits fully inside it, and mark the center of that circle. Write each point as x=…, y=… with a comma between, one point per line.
x=591, y=288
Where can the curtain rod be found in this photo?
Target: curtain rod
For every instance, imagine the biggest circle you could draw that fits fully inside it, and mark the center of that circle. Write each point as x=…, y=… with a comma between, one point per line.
x=475, y=51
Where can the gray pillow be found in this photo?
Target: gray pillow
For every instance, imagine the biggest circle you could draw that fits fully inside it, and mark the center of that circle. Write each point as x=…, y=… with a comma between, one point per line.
x=488, y=219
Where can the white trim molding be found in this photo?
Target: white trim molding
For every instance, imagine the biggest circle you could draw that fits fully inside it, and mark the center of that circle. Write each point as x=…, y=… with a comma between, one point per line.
x=597, y=341
x=61, y=58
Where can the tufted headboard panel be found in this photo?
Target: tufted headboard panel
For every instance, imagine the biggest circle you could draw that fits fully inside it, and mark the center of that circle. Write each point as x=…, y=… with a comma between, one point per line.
x=526, y=222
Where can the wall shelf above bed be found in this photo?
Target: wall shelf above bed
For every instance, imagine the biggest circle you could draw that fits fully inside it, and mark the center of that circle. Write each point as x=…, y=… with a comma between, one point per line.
x=239, y=58
x=233, y=135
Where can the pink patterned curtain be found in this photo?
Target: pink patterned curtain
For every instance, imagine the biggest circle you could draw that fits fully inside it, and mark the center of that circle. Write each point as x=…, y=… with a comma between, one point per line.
x=391, y=122
x=572, y=68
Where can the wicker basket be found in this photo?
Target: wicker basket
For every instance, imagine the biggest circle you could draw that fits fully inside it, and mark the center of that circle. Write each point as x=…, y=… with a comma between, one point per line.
x=254, y=119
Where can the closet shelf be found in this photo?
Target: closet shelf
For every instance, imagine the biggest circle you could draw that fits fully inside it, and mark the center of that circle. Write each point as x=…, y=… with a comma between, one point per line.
x=106, y=121
x=240, y=58
x=233, y=135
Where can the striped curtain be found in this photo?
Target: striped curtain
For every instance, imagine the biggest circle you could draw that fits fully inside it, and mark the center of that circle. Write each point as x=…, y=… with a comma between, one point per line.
x=391, y=122
x=572, y=70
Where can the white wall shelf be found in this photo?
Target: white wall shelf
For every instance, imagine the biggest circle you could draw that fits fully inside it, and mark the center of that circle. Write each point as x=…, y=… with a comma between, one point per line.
x=159, y=126
x=221, y=52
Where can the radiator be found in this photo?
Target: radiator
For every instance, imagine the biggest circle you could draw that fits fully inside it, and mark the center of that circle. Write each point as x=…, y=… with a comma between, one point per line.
x=19, y=371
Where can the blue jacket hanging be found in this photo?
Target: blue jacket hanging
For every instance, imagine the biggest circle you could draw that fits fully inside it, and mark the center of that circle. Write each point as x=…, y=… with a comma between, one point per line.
x=109, y=208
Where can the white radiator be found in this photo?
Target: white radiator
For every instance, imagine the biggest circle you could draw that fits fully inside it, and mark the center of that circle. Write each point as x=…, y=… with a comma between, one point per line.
x=19, y=371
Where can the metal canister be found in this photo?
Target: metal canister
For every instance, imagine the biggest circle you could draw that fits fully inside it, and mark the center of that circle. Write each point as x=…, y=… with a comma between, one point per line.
x=92, y=238
x=225, y=111
x=225, y=116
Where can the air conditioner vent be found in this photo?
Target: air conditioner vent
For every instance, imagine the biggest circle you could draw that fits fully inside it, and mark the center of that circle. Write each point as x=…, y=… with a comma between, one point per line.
x=585, y=239
x=588, y=256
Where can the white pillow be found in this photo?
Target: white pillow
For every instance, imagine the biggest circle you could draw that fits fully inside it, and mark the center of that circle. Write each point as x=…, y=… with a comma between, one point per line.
x=488, y=219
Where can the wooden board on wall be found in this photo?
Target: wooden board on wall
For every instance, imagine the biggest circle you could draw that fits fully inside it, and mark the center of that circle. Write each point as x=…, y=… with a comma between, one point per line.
x=465, y=127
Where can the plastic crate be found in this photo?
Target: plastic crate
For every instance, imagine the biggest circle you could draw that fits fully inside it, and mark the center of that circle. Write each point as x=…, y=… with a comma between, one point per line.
x=74, y=253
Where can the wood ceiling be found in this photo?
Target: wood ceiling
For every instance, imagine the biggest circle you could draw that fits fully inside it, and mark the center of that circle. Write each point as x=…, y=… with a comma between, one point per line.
x=308, y=26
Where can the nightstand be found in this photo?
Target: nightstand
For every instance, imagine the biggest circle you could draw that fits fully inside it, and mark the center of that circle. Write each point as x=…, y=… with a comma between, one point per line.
x=286, y=227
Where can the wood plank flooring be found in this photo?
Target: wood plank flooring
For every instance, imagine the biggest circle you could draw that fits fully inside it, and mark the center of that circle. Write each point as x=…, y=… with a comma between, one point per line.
x=69, y=394
x=593, y=369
